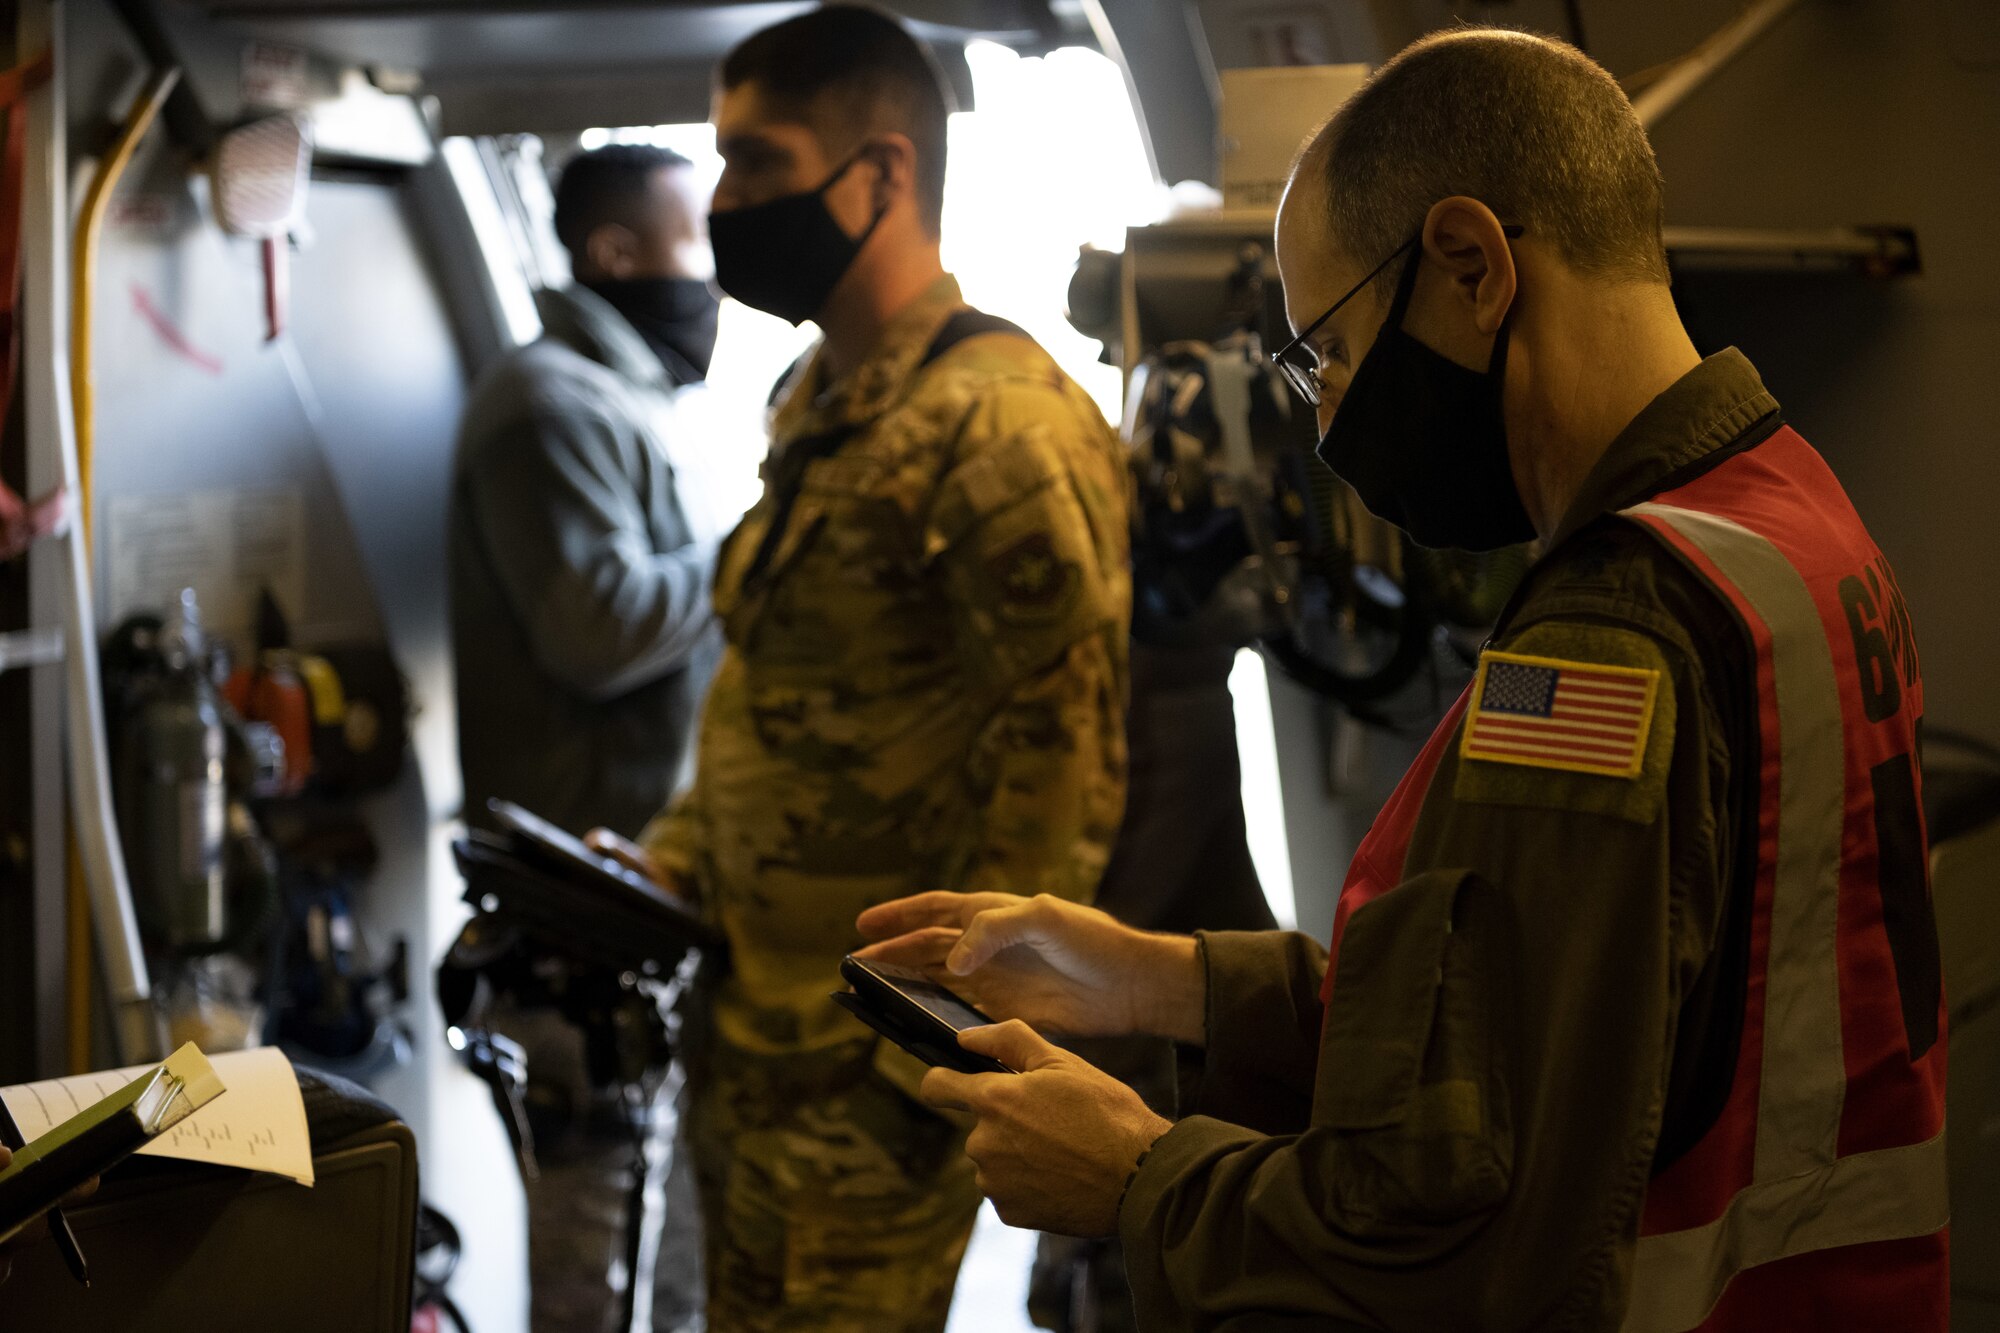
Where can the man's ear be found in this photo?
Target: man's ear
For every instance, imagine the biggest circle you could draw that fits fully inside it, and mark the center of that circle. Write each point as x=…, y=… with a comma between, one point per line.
x=1464, y=238
x=612, y=249
x=895, y=159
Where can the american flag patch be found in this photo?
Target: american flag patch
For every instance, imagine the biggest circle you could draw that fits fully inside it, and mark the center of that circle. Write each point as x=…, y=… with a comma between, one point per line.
x=1547, y=713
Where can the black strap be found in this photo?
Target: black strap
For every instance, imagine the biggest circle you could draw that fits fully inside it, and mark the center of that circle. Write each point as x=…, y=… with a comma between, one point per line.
x=789, y=474
x=965, y=324
x=786, y=478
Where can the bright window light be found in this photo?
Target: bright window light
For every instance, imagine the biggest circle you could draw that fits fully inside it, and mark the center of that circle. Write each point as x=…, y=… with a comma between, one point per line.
x=1051, y=161
x=1263, y=799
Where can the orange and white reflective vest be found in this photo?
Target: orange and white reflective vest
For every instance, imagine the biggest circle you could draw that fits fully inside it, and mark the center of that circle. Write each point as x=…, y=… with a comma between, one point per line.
x=1817, y=1199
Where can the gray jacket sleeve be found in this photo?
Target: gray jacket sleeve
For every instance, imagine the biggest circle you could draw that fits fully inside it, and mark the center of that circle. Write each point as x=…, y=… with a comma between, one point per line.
x=564, y=520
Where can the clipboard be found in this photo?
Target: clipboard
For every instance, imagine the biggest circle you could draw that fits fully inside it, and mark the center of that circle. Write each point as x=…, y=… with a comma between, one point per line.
x=104, y=1134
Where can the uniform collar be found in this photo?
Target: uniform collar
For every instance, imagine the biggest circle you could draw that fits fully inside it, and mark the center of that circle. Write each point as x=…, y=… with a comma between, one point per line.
x=1705, y=410
x=586, y=323
x=873, y=386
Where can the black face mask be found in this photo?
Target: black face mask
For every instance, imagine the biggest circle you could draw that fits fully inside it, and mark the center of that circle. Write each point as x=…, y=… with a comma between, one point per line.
x=676, y=317
x=1423, y=442
x=786, y=255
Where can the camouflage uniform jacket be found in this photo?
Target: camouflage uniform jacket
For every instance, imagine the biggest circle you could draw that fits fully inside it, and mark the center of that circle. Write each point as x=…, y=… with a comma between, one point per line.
x=925, y=674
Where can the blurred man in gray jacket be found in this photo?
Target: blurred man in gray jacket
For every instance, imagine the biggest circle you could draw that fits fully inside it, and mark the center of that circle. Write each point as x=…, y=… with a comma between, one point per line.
x=584, y=644
x=580, y=612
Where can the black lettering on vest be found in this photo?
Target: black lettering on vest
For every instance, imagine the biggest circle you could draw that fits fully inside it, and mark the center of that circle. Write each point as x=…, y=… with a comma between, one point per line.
x=1903, y=872
x=1896, y=610
x=1881, y=693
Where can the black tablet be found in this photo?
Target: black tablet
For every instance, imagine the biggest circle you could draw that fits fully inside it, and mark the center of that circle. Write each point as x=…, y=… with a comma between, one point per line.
x=537, y=840
x=916, y=1013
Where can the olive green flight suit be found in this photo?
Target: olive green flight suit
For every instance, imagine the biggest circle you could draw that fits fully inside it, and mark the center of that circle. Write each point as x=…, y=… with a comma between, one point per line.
x=923, y=688
x=1542, y=1014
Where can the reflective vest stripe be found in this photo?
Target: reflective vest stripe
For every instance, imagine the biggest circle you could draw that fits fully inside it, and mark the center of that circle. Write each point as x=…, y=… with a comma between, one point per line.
x=1803, y=1196
x=1678, y=1277
x=1804, y=1078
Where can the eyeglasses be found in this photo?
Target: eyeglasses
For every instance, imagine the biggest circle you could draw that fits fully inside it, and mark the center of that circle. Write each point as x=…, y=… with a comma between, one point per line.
x=1300, y=364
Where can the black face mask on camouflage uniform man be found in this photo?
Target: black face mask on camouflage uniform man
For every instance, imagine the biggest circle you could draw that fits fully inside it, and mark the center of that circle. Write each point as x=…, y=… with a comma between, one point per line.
x=786, y=255
x=1423, y=442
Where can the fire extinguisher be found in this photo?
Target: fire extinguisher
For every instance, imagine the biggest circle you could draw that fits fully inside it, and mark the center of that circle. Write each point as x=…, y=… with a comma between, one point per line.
x=176, y=794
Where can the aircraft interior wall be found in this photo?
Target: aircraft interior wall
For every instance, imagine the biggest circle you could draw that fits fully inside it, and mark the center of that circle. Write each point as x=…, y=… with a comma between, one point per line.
x=345, y=426
x=1869, y=112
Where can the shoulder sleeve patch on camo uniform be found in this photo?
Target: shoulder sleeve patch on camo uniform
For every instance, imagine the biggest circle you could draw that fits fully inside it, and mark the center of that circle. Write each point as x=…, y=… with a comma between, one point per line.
x=1547, y=712
x=1036, y=582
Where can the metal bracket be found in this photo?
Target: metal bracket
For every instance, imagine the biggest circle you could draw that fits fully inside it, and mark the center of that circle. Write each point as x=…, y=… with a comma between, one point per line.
x=30, y=647
x=1657, y=101
x=1875, y=252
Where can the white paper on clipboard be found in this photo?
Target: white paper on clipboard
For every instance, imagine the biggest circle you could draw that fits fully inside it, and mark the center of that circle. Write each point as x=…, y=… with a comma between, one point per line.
x=259, y=1126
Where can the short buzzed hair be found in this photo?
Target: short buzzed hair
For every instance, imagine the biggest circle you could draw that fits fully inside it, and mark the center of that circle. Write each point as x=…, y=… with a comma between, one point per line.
x=848, y=71
x=606, y=185
x=1529, y=126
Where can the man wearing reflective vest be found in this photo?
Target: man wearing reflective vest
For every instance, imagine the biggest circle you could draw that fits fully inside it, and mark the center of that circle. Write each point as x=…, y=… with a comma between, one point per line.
x=1632, y=1017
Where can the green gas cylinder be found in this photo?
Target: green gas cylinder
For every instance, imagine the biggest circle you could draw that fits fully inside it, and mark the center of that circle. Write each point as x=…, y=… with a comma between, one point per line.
x=181, y=803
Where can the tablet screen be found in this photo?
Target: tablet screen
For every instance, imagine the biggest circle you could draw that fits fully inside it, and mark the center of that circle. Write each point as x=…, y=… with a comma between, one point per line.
x=941, y=1003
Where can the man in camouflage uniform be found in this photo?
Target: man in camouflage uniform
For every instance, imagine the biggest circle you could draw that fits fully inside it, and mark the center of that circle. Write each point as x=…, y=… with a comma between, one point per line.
x=923, y=685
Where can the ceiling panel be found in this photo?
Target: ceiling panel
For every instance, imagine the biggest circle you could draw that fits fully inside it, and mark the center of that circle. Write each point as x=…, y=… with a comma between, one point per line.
x=460, y=37
x=550, y=65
